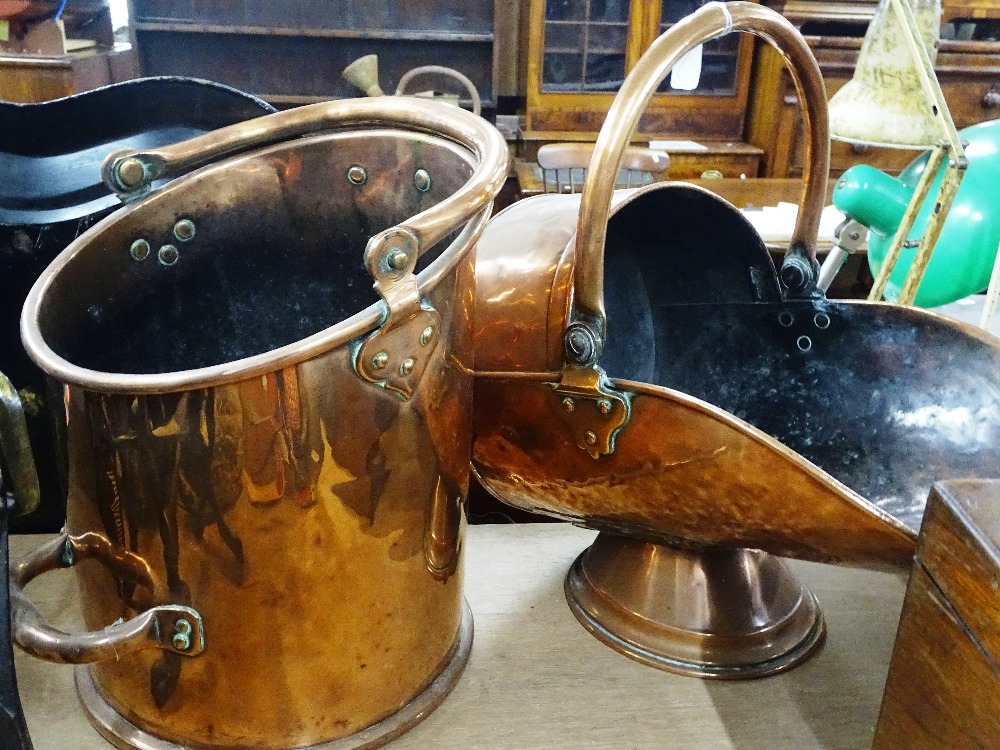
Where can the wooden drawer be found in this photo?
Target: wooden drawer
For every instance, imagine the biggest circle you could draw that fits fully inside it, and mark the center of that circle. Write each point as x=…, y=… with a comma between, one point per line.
x=969, y=74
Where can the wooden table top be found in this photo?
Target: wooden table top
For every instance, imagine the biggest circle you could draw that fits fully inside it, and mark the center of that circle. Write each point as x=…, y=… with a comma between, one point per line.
x=538, y=680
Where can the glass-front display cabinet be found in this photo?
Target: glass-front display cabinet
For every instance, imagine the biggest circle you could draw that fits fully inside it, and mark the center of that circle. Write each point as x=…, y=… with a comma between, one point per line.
x=579, y=52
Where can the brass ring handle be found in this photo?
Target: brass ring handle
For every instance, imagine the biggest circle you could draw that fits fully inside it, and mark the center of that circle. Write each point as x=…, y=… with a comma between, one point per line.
x=477, y=105
x=17, y=450
x=130, y=172
x=169, y=627
x=710, y=21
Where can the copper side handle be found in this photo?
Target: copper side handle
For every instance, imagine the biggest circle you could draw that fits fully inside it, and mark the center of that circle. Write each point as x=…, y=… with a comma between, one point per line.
x=130, y=172
x=168, y=627
x=710, y=21
x=17, y=450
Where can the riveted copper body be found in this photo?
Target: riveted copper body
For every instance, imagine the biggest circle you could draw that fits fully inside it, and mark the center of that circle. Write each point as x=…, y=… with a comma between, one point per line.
x=715, y=412
x=294, y=521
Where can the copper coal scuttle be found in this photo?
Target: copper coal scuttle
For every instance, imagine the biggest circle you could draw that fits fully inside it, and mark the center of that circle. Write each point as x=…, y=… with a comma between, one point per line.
x=642, y=369
x=268, y=459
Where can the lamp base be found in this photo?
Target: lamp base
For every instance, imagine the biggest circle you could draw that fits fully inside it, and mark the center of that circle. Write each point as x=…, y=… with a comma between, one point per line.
x=719, y=613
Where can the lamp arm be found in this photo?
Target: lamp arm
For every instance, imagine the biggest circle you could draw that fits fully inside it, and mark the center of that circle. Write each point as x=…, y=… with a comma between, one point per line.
x=928, y=80
x=923, y=187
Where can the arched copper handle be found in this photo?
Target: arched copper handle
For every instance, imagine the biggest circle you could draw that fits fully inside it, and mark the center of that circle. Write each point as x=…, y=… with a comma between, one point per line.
x=170, y=627
x=585, y=335
x=130, y=172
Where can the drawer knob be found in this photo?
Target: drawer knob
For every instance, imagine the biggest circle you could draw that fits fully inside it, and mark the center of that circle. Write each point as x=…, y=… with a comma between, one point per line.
x=991, y=100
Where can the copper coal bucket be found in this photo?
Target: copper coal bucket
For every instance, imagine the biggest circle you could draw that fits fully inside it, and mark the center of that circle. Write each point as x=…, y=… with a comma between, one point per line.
x=268, y=460
x=642, y=369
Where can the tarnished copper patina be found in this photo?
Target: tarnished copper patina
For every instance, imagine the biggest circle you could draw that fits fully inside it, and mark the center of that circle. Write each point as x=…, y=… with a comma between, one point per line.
x=268, y=459
x=642, y=369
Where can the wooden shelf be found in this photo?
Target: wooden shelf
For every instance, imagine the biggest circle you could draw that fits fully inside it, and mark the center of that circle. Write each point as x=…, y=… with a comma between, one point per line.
x=292, y=52
x=319, y=33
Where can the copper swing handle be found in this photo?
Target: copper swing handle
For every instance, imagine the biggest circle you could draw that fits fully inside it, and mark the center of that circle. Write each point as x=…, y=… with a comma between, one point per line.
x=170, y=627
x=710, y=21
x=130, y=173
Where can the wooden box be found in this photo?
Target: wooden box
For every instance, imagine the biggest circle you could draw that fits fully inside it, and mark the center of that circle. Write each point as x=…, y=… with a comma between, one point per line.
x=943, y=689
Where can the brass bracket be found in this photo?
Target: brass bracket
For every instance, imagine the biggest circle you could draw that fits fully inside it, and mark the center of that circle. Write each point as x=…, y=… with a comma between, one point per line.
x=396, y=354
x=592, y=408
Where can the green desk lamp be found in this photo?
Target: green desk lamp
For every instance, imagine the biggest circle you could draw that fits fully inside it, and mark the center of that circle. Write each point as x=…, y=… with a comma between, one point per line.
x=895, y=100
x=964, y=255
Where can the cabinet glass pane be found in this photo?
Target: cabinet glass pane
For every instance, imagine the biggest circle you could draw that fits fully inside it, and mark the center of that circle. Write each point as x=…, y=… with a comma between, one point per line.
x=584, y=46
x=562, y=71
x=719, y=61
x=565, y=10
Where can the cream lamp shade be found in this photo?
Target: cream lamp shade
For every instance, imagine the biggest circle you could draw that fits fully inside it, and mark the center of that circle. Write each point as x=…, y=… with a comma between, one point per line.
x=884, y=103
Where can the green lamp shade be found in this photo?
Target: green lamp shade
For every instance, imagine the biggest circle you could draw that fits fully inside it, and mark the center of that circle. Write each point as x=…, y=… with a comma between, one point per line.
x=962, y=260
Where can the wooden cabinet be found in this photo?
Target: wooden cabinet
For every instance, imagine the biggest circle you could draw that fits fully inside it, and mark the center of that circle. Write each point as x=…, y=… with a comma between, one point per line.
x=36, y=78
x=968, y=71
x=293, y=51
x=43, y=59
x=577, y=53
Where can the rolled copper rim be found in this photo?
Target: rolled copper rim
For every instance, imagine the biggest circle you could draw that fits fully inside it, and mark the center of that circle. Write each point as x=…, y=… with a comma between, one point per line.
x=471, y=205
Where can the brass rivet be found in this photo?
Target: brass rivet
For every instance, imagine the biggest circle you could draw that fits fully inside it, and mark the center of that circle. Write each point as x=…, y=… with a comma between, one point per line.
x=397, y=259
x=604, y=405
x=426, y=335
x=406, y=367
x=569, y=405
x=182, y=635
x=422, y=180
x=140, y=250
x=131, y=173
x=168, y=255
x=357, y=175
x=380, y=360
x=184, y=230
x=591, y=437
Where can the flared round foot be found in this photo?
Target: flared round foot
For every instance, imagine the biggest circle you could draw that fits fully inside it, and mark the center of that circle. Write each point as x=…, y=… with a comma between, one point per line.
x=123, y=734
x=713, y=613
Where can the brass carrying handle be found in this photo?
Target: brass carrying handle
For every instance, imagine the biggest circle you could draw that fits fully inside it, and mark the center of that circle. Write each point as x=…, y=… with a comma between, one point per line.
x=17, y=450
x=130, y=173
x=170, y=627
x=585, y=335
x=477, y=105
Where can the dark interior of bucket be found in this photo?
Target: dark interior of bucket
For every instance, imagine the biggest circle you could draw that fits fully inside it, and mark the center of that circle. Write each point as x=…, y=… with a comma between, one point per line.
x=885, y=399
x=277, y=256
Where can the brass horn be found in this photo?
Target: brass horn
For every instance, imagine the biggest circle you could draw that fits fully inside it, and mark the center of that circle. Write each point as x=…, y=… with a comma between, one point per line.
x=363, y=73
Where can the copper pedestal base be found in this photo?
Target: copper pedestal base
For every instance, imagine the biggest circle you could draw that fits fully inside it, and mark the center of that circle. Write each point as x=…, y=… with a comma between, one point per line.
x=123, y=734
x=713, y=612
